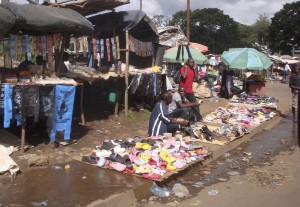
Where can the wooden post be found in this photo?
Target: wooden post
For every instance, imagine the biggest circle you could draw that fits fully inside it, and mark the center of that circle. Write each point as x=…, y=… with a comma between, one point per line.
x=23, y=137
x=117, y=69
x=126, y=72
x=61, y=54
x=188, y=20
x=81, y=104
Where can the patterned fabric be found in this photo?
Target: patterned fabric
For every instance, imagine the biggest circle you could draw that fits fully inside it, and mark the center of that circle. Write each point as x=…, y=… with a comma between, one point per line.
x=63, y=111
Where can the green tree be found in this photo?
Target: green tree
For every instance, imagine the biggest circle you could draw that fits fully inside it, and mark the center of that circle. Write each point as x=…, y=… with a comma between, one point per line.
x=211, y=27
x=284, y=32
x=248, y=35
x=261, y=26
x=161, y=20
x=179, y=19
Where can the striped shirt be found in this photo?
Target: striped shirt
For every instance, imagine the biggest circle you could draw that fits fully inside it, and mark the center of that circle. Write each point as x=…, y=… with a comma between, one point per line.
x=159, y=119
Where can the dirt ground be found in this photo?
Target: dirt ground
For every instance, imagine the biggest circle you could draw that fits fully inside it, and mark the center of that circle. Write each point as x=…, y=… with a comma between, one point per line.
x=136, y=124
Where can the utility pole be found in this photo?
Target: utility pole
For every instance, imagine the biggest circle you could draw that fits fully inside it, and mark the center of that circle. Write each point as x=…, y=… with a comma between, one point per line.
x=141, y=4
x=188, y=20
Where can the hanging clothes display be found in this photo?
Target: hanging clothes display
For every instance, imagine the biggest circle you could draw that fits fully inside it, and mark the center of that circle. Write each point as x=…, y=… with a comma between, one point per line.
x=85, y=46
x=18, y=45
x=63, y=111
x=118, y=47
x=102, y=48
x=108, y=49
x=56, y=40
x=8, y=90
x=39, y=45
x=140, y=48
x=17, y=106
x=30, y=101
x=44, y=47
x=50, y=51
x=12, y=48
x=46, y=98
x=77, y=46
x=33, y=44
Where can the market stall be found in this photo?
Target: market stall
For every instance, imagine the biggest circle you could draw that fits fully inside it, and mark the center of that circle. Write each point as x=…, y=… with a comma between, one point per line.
x=247, y=60
x=38, y=29
x=124, y=41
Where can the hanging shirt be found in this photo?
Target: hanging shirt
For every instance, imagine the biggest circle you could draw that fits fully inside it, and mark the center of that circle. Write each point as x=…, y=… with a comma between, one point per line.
x=159, y=119
x=187, y=82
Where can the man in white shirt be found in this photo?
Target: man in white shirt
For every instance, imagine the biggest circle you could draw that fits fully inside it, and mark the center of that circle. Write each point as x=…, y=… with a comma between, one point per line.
x=180, y=107
x=286, y=71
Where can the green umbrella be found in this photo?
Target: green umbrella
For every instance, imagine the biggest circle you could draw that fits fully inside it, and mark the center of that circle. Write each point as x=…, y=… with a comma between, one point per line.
x=246, y=58
x=170, y=56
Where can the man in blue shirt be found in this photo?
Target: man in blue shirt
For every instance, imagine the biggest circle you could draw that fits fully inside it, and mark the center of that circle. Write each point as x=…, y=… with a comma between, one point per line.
x=160, y=121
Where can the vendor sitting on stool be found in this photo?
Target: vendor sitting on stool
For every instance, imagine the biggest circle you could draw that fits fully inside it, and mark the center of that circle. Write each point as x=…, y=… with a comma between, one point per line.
x=160, y=121
x=180, y=107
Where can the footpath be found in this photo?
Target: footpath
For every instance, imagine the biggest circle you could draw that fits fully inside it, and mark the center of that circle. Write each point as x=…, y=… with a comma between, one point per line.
x=273, y=89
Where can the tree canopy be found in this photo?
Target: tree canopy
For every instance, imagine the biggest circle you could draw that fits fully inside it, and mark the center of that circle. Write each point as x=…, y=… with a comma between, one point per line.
x=211, y=27
x=284, y=32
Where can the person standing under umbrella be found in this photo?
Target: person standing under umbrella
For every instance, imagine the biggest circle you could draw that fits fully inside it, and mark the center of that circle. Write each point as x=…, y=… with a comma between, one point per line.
x=189, y=73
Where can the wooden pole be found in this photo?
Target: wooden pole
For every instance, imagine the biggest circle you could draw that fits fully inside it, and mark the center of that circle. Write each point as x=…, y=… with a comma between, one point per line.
x=117, y=69
x=61, y=54
x=23, y=137
x=188, y=20
x=126, y=72
x=81, y=104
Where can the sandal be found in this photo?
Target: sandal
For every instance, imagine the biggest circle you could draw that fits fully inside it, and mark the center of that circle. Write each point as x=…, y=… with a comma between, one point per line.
x=151, y=176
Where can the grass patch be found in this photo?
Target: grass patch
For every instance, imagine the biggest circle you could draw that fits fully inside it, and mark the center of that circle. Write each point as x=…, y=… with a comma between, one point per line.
x=131, y=115
x=147, y=113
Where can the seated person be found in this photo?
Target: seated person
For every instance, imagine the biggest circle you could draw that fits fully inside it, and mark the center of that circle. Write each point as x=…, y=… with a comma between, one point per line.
x=23, y=66
x=160, y=121
x=180, y=107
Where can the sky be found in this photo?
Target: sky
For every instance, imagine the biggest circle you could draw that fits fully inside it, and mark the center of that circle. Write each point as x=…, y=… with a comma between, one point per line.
x=242, y=11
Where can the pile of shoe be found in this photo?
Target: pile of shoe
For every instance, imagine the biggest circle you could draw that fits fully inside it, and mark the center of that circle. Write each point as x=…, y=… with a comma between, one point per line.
x=150, y=157
x=239, y=116
x=255, y=100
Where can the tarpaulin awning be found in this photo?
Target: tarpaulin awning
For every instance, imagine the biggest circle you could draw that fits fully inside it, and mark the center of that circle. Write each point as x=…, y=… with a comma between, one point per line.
x=38, y=20
x=88, y=7
x=171, y=36
x=7, y=20
x=135, y=21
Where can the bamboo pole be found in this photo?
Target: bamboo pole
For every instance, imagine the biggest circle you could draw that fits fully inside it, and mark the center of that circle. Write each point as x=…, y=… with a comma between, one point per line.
x=126, y=72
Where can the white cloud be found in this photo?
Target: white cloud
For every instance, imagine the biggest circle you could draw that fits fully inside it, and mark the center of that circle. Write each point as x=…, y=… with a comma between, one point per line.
x=243, y=11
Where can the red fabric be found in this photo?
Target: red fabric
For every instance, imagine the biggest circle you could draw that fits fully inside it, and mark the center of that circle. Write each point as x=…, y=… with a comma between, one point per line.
x=187, y=82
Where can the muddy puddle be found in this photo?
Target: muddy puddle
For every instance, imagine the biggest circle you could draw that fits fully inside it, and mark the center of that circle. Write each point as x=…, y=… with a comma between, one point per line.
x=82, y=184
x=78, y=185
x=257, y=151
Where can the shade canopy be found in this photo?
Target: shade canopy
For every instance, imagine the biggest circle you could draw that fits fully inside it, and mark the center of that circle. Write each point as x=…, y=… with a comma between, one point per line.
x=7, y=20
x=198, y=46
x=171, y=54
x=135, y=21
x=40, y=20
x=246, y=58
